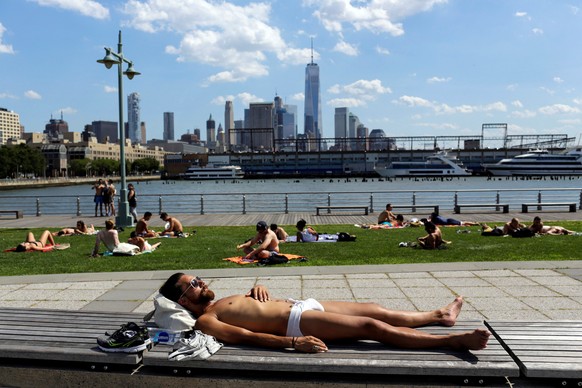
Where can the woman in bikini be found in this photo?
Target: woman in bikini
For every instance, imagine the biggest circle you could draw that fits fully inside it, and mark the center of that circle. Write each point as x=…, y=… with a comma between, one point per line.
x=30, y=244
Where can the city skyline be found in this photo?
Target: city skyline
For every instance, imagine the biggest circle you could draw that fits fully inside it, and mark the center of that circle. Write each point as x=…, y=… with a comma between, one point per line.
x=432, y=67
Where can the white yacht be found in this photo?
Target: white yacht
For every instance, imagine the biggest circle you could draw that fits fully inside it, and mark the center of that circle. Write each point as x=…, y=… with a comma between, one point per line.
x=437, y=165
x=213, y=172
x=538, y=163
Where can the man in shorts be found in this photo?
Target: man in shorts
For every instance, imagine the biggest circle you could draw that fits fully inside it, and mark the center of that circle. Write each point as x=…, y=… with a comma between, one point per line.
x=267, y=242
x=256, y=319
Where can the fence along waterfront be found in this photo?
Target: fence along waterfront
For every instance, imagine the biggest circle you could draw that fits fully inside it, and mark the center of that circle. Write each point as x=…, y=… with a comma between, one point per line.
x=289, y=202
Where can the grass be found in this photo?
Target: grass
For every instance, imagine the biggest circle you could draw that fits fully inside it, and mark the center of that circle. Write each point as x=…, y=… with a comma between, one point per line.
x=210, y=245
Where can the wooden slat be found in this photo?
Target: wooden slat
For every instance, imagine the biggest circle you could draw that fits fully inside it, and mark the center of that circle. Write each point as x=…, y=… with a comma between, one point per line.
x=362, y=357
x=551, y=349
x=61, y=335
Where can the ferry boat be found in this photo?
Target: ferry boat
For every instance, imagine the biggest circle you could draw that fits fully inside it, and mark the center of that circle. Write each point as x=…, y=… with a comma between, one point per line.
x=538, y=163
x=437, y=165
x=213, y=172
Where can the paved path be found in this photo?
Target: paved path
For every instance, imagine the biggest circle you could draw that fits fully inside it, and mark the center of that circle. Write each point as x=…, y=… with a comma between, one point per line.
x=547, y=290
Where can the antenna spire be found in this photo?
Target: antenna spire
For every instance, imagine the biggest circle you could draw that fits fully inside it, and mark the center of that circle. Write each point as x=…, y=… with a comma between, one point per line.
x=312, y=50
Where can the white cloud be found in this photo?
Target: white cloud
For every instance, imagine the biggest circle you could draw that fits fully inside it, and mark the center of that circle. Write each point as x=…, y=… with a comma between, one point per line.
x=441, y=108
x=435, y=80
x=512, y=87
x=378, y=16
x=361, y=87
x=31, y=94
x=574, y=10
x=537, y=31
x=66, y=111
x=520, y=14
x=346, y=48
x=577, y=101
x=244, y=98
x=524, y=114
x=547, y=90
x=570, y=122
x=90, y=8
x=109, y=89
x=382, y=50
x=236, y=38
x=558, y=80
x=558, y=109
x=517, y=104
x=4, y=48
x=8, y=95
x=298, y=97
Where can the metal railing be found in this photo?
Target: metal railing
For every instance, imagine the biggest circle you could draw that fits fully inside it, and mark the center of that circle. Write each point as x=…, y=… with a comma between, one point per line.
x=283, y=203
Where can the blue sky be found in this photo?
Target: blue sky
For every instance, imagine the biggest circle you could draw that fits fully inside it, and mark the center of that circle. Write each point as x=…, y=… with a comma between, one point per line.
x=410, y=67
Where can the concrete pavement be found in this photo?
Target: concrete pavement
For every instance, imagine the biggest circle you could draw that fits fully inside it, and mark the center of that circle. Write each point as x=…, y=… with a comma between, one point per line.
x=497, y=290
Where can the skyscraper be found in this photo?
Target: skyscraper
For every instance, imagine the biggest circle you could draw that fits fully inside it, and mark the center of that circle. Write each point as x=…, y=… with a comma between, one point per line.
x=133, y=118
x=210, y=130
x=229, y=124
x=312, y=119
x=168, y=125
x=9, y=125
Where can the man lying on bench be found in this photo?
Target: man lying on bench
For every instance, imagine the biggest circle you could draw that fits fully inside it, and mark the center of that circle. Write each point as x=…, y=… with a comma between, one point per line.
x=256, y=319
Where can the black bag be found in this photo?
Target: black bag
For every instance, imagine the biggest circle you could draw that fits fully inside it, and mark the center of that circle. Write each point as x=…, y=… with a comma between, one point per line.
x=523, y=232
x=343, y=236
x=274, y=259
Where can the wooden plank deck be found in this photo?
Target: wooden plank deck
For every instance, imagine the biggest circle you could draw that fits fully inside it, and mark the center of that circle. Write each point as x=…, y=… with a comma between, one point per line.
x=551, y=349
x=61, y=335
x=360, y=358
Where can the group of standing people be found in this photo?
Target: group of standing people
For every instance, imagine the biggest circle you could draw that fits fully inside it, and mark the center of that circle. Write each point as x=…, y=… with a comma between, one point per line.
x=104, y=195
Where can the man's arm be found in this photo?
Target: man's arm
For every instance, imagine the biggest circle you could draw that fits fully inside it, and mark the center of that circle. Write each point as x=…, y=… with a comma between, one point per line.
x=209, y=324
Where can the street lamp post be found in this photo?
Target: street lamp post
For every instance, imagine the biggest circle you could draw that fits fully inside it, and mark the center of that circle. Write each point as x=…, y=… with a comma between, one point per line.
x=124, y=218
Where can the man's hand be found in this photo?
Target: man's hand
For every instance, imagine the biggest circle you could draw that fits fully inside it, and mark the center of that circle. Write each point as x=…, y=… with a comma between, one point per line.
x=260, y=293
x=310, y=344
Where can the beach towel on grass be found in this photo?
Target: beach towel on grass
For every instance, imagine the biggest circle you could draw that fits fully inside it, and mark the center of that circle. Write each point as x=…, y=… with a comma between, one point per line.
x=322, y=238
x=242, y=261
x=49, y=248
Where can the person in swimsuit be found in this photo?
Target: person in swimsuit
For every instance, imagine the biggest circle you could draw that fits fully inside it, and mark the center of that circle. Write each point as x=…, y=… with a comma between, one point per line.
x=256, y=319
x=30, y=244
x=173, y=226
x=142, y=243
x=81, y=228
x=539, y=227
x=141, y=228
x=266, y=240
x=279, y=232
x=386, y=216
x=108, y=236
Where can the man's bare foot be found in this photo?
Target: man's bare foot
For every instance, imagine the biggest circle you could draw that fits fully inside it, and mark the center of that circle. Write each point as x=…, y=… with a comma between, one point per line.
x=472, y=340
x=447, y=316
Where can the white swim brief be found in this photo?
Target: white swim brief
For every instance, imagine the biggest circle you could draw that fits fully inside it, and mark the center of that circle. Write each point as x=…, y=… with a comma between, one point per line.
x=299, y=306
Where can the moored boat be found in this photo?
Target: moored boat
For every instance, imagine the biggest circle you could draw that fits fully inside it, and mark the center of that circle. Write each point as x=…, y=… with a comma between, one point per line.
x=538, y=163
x=437, y=165
x=213, y=172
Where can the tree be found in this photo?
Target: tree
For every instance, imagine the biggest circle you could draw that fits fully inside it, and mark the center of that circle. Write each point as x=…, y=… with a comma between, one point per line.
x=145, y=165
x=80, y=167
x=105, y=166
x=21, y=160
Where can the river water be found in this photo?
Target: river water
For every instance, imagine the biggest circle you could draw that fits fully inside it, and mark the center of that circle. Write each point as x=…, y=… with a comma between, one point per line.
x=299, y=195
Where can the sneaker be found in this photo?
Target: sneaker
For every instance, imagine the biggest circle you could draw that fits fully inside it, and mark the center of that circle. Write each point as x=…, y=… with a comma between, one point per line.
x=130, y=338
x=200, y=346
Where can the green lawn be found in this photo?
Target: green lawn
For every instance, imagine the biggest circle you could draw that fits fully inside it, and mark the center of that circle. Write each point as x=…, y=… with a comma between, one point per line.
x=210, y=245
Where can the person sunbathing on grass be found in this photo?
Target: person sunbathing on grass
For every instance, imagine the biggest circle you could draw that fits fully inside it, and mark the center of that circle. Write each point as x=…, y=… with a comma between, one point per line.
x=142, y=243
x=30, y=244
x=433, y=239
x=256, y=319
x=81, y=228
x=539, y=227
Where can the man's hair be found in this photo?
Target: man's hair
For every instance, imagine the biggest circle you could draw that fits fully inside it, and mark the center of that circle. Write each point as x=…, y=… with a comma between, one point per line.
x=537, y=218
x=429, y=226
x=273, y=227
x=388, y=205
x=147, y=214
x=170, y=288
x=163, y=215
x=133, y=234
x=301, y=224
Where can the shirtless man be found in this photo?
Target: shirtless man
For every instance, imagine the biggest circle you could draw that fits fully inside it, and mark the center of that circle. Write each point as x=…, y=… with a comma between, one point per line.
x=174, y=228
x=539, y=227
x=512, y=226
x=99, y=186
x=256, y=319
x=141, y=228
x=433, y=239
x=267, y=242
x=386, y=216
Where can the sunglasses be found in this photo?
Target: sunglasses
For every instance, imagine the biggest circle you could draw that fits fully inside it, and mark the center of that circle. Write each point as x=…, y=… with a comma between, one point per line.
x=195, y=282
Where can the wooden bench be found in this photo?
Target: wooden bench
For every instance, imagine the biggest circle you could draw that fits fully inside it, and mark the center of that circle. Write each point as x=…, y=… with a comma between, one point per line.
x=414, y=207
x=61, y=335
x=351, y=207
x=504, y=206
x=571, y=205
x=551, y=349
x=17, y=213
x=357, y=359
